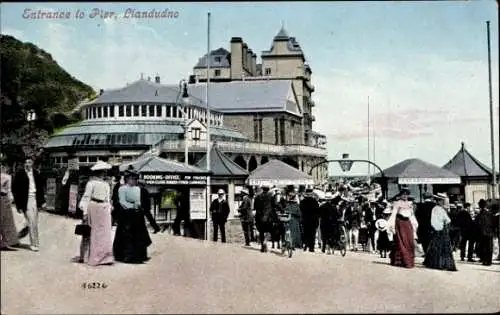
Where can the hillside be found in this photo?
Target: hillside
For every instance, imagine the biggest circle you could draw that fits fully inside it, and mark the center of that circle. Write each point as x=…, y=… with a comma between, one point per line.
x=31, y=80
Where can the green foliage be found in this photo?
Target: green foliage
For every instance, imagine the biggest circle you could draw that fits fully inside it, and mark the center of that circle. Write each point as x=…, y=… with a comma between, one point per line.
x=33, y=81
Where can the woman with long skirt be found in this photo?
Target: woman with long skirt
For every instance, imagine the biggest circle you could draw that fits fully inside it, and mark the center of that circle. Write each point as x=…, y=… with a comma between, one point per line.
x=8, y=230
x=132, y=237
x=403, y=226
x=439, y=253
x=293, y=209
x=97, y=249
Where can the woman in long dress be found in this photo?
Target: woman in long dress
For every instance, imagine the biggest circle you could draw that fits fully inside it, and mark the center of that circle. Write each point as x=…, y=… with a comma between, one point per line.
x=96, y=207
x=403, y=226
x=293, y=209
x=439, y=254
x=132, y=237
x=8, y=230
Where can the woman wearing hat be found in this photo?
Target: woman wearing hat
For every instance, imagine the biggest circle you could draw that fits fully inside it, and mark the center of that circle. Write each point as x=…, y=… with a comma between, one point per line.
x=403, y=225
x=293, y=209
x=439, y=254
x=132, y=237
x=8, y=230
x=97, y=249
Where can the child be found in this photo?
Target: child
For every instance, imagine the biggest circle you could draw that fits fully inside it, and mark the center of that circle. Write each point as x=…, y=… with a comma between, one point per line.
x=383, y=242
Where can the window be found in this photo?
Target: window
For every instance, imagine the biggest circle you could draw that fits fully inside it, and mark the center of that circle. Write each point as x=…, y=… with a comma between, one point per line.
x=105, y=111
x=112, y=111
x=257, y=128
x=128, y=111
x=282, y=131
x=136, y=110
x=65, y=159
x=217, y=73
x=174, y=112
x=168, y=111
x=196, y=132
x=87, y=113
x=217, y=59
x=144, y=110
x=158, y=111
x=82, y=159
x=276, y=131
x=99, y=112
x=92, y=159
x=151, y=110
x=268, y=71
x=94, y=112
x=120, y=111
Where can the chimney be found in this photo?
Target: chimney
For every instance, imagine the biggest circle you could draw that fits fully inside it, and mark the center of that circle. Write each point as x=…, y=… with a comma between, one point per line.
x=157, y=79
x=244, y=56
x=236, y=58
x=249, y=61
x=254, y=64
x=101, y=91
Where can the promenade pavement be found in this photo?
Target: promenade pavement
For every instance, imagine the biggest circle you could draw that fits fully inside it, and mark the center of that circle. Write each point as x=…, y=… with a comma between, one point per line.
x=193, y=276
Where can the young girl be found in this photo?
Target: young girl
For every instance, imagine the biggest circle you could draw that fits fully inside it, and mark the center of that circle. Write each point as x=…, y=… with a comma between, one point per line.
x=383, y=242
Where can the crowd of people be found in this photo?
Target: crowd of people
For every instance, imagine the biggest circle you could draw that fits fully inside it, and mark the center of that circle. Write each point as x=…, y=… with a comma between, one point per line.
x=398, y=228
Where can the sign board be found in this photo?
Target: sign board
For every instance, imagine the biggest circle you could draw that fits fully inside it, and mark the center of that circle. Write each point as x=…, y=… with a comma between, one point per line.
x=413, y=181
x=73, y=197
x=197, y=203
x=50, y=200
x=164, y=179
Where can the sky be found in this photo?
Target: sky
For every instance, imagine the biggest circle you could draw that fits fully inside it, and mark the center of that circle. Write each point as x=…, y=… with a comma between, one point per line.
x=421, y=67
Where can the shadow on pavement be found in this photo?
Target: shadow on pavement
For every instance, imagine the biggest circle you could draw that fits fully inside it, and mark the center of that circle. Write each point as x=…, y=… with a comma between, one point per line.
x=258, y=250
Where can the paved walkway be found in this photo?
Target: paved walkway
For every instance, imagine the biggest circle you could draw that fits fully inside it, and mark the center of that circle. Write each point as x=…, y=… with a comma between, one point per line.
x=192, y=276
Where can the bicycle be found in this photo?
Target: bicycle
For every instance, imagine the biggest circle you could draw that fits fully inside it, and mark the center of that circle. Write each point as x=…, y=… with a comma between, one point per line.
x=286, y=237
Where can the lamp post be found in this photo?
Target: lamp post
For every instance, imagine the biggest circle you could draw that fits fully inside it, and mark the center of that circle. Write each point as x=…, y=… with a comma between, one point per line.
x=209, y=194
x=185, y=111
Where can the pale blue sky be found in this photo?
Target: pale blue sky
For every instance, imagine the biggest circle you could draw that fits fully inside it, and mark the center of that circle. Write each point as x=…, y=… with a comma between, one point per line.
x=423, y=64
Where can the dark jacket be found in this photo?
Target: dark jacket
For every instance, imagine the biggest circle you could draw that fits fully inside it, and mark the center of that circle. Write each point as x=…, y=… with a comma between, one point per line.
x=245, y=210
x=423, y=216
x=146, y=207
x=219, y=210
x=309, y=208
x=464, y=222
x=328, y=216
x=486, y=224
x=264, y=208
x=20, y=189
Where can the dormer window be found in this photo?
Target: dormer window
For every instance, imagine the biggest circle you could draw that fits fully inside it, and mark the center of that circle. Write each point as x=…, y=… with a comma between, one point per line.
x=196, y=132
x=217, y=59
x=217, y=73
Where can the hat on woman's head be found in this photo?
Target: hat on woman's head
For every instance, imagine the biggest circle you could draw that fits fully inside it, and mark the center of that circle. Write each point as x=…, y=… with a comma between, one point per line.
x=441, y=196
x=328, y=195
x=404, y=190
x=101, y=166
x=387, y=210
x=381, y=224
x=131, y=172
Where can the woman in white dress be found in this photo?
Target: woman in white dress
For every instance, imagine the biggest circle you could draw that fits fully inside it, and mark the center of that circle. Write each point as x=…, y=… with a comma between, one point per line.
x=96, y=207
x=8, y=231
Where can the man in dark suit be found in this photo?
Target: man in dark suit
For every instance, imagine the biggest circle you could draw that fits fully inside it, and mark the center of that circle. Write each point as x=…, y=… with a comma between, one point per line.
x=423, y=216
x=265, y=215
x=146, y=206
x=309, y=209
x=466, y=226
x=29, y=195
x=219, y=209
x=486, y=227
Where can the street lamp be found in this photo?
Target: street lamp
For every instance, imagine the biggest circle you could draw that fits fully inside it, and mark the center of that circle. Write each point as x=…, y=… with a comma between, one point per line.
x=185, y=111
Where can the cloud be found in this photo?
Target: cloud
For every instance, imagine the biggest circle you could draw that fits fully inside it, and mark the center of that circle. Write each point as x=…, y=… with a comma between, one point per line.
x=404, y=124
x=119, y=53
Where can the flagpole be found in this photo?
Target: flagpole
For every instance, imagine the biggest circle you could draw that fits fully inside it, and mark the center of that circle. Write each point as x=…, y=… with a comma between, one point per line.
x=491, y=114
x=209, y=193
x=369, y=147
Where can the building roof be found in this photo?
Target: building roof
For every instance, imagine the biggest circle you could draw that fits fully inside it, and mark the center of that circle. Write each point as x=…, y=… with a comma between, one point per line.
x=144, y=91
x=129, y=132
x=282, y=34
x=292, y=44
x=246, y=96
x=466, y=165
x=418, y=169
x=225, y=60
x=155, y=164
x=225, y=97
x=276, y=172
x=221, y=165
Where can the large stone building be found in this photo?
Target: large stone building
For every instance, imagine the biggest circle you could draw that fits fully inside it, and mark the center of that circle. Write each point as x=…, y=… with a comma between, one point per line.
x=253, y=117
